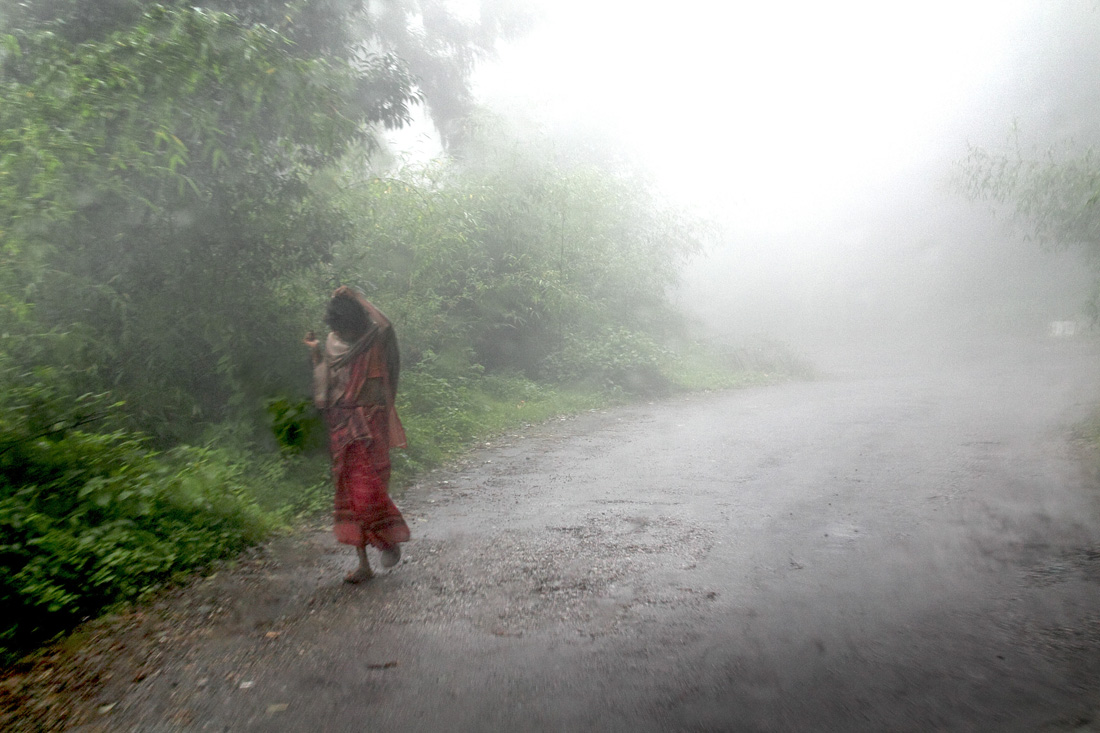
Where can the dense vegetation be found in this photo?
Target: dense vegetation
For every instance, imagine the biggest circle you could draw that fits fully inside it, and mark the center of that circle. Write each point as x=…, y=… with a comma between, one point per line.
x=180, y=189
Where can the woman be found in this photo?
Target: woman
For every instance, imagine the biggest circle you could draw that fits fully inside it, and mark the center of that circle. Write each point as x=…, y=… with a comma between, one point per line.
x=355, y=383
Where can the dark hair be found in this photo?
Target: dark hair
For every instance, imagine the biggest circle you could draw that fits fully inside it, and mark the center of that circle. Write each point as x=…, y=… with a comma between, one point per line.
x=346, y=316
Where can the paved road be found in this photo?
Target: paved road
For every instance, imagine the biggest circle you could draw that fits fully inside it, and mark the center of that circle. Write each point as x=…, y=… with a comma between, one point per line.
x=906, y=545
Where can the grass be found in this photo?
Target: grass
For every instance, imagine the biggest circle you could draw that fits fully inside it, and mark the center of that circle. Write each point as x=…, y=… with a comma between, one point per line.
x=481, y=408
x=697, y=366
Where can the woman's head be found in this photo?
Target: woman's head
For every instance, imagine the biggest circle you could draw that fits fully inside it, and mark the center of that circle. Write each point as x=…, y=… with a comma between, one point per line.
x=346, y=316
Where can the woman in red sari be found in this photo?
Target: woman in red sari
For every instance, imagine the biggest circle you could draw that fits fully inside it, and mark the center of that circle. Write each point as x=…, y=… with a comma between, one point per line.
x=355, y=382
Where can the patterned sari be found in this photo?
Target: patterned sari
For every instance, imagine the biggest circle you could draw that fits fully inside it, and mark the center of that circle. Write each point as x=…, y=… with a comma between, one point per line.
x=355, y=387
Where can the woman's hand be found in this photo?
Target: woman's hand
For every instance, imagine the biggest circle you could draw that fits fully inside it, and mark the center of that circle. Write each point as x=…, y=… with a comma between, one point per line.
x=314, y=345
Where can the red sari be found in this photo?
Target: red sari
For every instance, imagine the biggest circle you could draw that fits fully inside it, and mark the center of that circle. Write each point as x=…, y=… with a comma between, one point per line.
x=355, y=386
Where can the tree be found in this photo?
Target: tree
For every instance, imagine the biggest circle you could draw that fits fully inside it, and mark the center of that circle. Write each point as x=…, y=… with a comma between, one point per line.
x=441, y=48
x=157, y=171
x=155, y=198
x=1055, y=194
x=1046, y=176
x=518, y=258
x=428, y=41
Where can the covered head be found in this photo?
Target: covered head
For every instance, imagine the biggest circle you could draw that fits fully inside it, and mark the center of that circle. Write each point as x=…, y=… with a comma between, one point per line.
x=347, y=314
x=370, y=347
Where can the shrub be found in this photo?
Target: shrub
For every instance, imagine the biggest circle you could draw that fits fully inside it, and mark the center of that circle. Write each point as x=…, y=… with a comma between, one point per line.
x=91, y=519
x=615, y=358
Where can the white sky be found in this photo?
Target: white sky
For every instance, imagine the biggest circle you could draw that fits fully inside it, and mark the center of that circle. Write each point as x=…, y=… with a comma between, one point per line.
x=776, y=114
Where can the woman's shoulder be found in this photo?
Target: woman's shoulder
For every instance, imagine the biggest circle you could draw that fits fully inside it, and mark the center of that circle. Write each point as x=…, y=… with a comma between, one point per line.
x=334, y=346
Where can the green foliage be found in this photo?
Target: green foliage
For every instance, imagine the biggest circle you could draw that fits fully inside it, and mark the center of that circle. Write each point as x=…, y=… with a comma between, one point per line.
x=694, y=365
x=445, y=413
x=1054, y=196
x=155, y=190
x=441, y=48
x=296, y=425
x=90, y=519
x=523, y=262
x=427, y=41
x=439, y=420
x=614, y=357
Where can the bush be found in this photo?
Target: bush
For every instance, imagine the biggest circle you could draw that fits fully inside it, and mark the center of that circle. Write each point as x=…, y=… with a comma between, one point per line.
x=440, y=415
x=91, y=519
x=296, y=425
x=615, y=358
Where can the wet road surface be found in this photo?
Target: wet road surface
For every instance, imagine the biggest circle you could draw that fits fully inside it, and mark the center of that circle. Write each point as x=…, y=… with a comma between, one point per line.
x=910, y=545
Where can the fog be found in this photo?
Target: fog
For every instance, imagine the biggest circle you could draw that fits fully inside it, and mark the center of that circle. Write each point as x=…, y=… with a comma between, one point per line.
x=823, y=138
x=907, y=549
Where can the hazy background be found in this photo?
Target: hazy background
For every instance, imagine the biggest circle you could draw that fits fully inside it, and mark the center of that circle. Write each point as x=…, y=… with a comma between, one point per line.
x=823, y=138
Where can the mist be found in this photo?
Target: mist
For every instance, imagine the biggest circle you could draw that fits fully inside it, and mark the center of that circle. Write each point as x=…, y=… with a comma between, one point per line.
x=920, y=266
x=825, y=142
x=747, y=378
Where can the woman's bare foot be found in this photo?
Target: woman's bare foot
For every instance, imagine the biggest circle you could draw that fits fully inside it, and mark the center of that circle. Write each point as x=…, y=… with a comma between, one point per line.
x=361, y=574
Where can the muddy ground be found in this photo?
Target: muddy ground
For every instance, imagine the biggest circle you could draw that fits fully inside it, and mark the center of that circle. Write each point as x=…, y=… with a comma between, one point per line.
x=909, y=543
